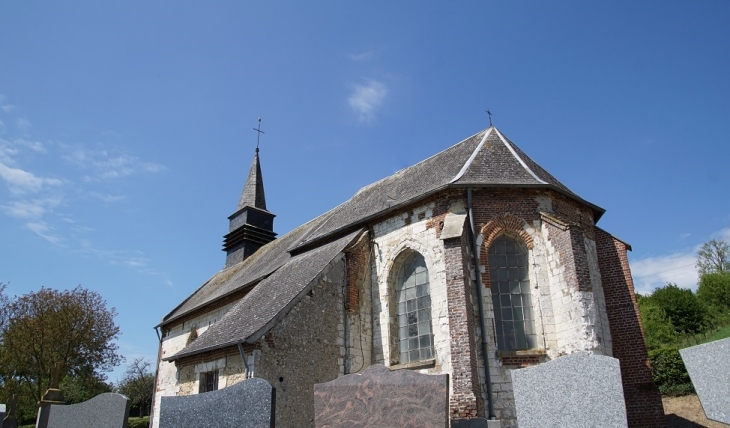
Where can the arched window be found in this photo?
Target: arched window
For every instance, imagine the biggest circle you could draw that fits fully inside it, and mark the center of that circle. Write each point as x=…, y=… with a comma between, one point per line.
x=415, y=337
x=510, y=279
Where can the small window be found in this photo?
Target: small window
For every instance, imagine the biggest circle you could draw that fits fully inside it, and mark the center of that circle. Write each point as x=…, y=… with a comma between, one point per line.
x=511, y=296
x=208, y=381
x=414, y=310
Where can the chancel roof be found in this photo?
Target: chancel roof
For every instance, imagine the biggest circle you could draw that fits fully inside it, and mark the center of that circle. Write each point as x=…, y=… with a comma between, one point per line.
x=486, y=159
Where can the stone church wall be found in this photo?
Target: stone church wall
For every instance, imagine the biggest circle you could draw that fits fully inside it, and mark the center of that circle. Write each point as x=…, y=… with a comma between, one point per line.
x=174, y=339
x=304, y=348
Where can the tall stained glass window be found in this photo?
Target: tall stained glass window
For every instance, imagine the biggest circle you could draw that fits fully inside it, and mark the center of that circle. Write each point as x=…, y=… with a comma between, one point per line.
x=510, y=280
x=414, y=310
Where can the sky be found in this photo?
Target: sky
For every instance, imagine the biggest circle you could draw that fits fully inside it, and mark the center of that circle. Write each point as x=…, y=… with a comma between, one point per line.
x=126, y=128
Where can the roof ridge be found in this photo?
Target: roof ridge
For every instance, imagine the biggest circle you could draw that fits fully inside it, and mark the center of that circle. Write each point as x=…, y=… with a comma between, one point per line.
x=416, y=164
x=519, y=159
x=468, y=162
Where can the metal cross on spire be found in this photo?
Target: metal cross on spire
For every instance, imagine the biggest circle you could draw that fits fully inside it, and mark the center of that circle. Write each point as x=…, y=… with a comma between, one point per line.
x=490, y=116
x=258, y=136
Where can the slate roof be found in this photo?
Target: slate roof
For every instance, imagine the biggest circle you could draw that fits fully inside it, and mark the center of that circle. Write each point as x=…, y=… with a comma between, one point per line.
x=486, y=159
x=270, y=300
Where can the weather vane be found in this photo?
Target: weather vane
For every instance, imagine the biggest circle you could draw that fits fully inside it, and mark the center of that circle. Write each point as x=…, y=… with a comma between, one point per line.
x=258, y=136
x=488, y=113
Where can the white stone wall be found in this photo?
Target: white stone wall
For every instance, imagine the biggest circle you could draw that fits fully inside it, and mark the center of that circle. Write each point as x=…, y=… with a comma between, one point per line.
x=391, y=238
x=602, y=328
x=173, y=342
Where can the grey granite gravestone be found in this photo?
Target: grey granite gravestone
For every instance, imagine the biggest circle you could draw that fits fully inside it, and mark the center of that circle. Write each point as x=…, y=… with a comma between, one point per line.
x=708, y=366
x=108, y=410
x=578, y=390
x=249, y=404
x=380, y=397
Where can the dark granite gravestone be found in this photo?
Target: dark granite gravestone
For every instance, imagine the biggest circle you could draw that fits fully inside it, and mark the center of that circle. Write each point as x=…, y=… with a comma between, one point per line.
x=249, y=404
x=380, y=397
x=107, y=410
x=708, y=366
x=578, y=390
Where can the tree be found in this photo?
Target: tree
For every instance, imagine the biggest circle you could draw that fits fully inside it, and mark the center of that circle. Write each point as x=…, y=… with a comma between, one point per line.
x=71, y=327
x=682, y=308
x=138, y=384
x=658, y=330
x=713, y=257
x=714, y=289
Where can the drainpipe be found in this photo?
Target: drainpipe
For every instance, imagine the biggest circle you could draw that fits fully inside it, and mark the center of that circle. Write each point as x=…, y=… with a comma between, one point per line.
x=245, y=363
x=482, y=327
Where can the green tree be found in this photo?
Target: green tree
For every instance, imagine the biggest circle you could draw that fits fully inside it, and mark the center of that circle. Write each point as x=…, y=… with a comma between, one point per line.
x=714, y=289
x=658, y=329
x=682, y=308
x=138, y=384
x=713, y=257
x=71, y=327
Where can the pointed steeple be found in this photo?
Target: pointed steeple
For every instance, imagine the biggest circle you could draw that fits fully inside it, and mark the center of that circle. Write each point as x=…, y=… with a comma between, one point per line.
x=253, y=191
x=251, y=226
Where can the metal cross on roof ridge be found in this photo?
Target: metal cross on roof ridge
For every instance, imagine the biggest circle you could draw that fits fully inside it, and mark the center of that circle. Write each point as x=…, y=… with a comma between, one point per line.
x=258, y=136
x=490, y=116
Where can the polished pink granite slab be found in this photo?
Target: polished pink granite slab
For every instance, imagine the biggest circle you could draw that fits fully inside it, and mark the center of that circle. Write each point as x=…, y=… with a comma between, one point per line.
x=380, y=397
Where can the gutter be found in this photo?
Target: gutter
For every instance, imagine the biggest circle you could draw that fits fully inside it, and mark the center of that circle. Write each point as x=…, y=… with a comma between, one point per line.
x=482, y=326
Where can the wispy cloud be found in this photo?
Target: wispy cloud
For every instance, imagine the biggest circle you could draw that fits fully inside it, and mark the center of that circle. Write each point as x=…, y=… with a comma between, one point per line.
x=30, y=208
x=7, y=108
x=366, y=99
x=108, y=165
x=652, y=272
x=363, y=56
x=42, y=229
x=20, y=181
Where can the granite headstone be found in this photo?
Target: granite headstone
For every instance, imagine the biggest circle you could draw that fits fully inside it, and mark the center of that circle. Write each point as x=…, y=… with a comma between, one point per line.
x=249, y=404
x=708, y=366
x=380, y=397
x=108, y=410
x=577, y=390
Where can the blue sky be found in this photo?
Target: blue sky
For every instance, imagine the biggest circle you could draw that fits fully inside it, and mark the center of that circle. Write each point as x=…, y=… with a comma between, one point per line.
x=126, y=127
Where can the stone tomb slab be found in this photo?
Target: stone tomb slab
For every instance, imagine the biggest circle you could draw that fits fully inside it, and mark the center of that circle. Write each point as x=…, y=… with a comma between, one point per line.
x=708, y=366
x=380, y=397
x=578, y=390
x=249, y=404
x=106, y=410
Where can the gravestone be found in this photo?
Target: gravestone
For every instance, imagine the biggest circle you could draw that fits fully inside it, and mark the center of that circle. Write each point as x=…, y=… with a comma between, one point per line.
x=249, y=404
x=108, y=410
x=2, y=412
x=380, y=397
x=578, y=390
x=708, y=366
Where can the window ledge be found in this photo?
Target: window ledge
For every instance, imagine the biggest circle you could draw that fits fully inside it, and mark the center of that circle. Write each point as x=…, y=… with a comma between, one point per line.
x=425, y=364
x=523, y=353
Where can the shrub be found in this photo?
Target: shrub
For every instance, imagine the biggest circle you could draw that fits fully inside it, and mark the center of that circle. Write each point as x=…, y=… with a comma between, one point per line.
x=669, y=372
x=138, y=422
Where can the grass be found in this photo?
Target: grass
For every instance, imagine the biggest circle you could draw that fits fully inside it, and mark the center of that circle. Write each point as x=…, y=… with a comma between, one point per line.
x=723, y=333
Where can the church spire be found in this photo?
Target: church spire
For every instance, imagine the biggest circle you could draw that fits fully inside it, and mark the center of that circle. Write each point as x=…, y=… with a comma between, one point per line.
x=253, y=191
x=251, y=226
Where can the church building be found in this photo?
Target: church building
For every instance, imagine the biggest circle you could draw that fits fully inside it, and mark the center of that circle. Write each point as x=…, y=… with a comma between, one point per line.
x=470, y=263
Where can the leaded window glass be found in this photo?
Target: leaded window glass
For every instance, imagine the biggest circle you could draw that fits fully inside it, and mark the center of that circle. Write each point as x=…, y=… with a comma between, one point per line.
x=511, y=298
x=414, y=310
